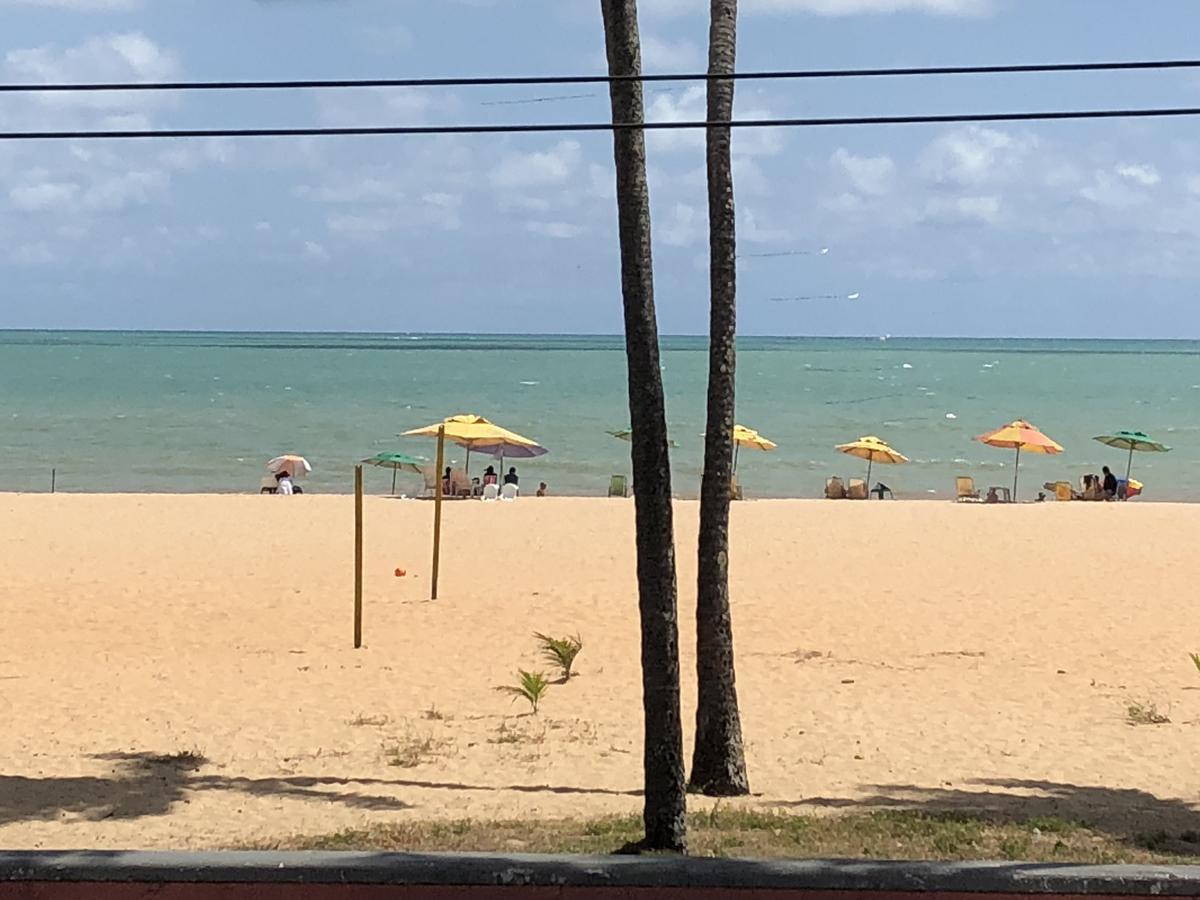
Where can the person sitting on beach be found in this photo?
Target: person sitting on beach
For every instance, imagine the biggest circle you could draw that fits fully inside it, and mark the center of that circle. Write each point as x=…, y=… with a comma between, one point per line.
x=1110, y=484
x=992, y=496
x=283, y=483
x=511, y=477
x=541, y=491
x=489, y=476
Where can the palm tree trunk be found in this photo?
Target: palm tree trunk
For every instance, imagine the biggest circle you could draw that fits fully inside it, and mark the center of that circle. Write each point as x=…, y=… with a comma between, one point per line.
x=718, y=760
x=665, y=798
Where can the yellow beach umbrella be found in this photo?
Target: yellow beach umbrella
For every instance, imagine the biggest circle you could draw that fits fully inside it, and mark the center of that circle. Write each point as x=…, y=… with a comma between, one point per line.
x=873, y=450
x=476, y=432
x=1022, y=436
x=751, y=439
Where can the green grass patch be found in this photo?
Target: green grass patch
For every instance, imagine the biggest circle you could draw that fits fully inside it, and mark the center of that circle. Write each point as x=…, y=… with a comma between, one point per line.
x=767, y=834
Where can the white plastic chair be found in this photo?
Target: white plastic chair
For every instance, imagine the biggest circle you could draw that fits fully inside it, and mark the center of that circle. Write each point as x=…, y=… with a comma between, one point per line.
x=491, y=492
x=509, y=492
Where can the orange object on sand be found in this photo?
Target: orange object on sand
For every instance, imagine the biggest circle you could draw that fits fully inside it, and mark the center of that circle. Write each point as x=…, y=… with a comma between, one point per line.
x=400, y=573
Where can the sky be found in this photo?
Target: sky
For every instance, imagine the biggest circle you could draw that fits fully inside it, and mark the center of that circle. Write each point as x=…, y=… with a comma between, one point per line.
x=1086, y=229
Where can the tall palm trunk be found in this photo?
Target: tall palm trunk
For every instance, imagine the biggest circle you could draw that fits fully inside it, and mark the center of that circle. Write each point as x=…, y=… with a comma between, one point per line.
x=718, y=761
x=665, y=798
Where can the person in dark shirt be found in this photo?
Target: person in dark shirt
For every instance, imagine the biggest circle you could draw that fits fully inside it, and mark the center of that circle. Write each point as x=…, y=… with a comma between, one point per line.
x=511, y=477
x=1110, y=484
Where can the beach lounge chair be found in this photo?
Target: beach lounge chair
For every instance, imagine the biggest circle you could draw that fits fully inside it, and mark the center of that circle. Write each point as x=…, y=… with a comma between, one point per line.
x=965, y=489
x=835, y=488
x=460, y=483
x=429, y=473
x=857, y=489
x=269, y=485
x=618, y=487
x=509, y=492
x=491, y=492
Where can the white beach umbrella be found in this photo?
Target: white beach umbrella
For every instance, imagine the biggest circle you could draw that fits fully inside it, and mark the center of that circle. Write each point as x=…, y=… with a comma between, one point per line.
x=296, y=466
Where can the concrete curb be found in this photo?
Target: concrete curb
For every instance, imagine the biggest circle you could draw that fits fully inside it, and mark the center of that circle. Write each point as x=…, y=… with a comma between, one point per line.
x=477, y=870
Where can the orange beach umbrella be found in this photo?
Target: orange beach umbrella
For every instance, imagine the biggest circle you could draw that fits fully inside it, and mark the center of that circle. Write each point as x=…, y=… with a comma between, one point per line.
x=1021, y=436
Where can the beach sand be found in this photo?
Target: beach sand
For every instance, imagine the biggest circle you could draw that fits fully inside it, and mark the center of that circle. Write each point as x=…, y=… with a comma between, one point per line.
x=178, y=671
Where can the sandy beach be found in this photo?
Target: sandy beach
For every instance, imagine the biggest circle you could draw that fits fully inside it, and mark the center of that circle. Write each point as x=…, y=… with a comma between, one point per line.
x=178, y=671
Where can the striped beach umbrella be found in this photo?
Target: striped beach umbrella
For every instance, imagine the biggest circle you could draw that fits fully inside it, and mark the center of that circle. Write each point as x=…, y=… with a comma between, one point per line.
x=1021, y=436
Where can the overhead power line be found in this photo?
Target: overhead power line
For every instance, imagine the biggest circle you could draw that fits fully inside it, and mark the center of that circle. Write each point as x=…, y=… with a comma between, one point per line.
x=515, y=80
x=541, y=128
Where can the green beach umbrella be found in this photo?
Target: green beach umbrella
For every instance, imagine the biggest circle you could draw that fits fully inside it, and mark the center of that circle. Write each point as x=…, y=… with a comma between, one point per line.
x=1131, y=441
x=397, y=462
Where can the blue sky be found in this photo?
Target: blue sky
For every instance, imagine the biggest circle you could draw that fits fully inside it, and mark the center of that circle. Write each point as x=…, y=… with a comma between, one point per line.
x=1038, y=229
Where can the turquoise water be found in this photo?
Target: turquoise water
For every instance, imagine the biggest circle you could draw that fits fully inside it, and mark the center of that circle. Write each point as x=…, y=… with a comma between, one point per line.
x=203, y=412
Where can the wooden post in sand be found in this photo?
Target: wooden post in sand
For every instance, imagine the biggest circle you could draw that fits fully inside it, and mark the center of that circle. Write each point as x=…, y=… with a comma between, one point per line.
x=358, y=555
x=437, y=510
x=54, y=478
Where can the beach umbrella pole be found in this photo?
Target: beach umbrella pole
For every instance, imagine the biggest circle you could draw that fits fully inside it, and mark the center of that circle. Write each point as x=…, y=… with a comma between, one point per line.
x=870, y=462
x=394, y=481
x=1016, y=472
x=1129, y=467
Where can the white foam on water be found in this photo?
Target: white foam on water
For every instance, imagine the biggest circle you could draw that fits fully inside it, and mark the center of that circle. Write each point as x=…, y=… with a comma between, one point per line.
x=530, y=383
x=906, y=366
x=951, y=416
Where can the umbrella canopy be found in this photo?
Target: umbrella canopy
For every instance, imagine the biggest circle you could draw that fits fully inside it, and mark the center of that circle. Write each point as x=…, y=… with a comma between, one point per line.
x=296, y=466
x=1021, y=436
x=397, y=462
x=511, y=451
x=474, y=432
x=750, y=439
x=1131, y=441
x=873, y=450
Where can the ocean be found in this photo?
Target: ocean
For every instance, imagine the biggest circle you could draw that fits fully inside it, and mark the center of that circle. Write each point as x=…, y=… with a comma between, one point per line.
x=202, y=412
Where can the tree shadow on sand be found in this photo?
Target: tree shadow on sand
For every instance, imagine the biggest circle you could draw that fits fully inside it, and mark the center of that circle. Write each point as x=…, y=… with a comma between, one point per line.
x=148, y=784
x=1132, y=815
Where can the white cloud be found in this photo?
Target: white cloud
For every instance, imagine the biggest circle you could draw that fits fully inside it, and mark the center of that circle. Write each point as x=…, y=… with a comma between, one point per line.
x=315, y=251
x=1142, y=174
x=47, y=195
x=684, y=226
x=673, y=56
x=553, y=166
x=560, y=230
x=130, y=56
x=362, y=225
x=37, y=253
x=117, y=192
x=984, y=209
x=752, y=232
x=869, y=174
x=689, y=105
x=974, y=155
x=357, y=188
